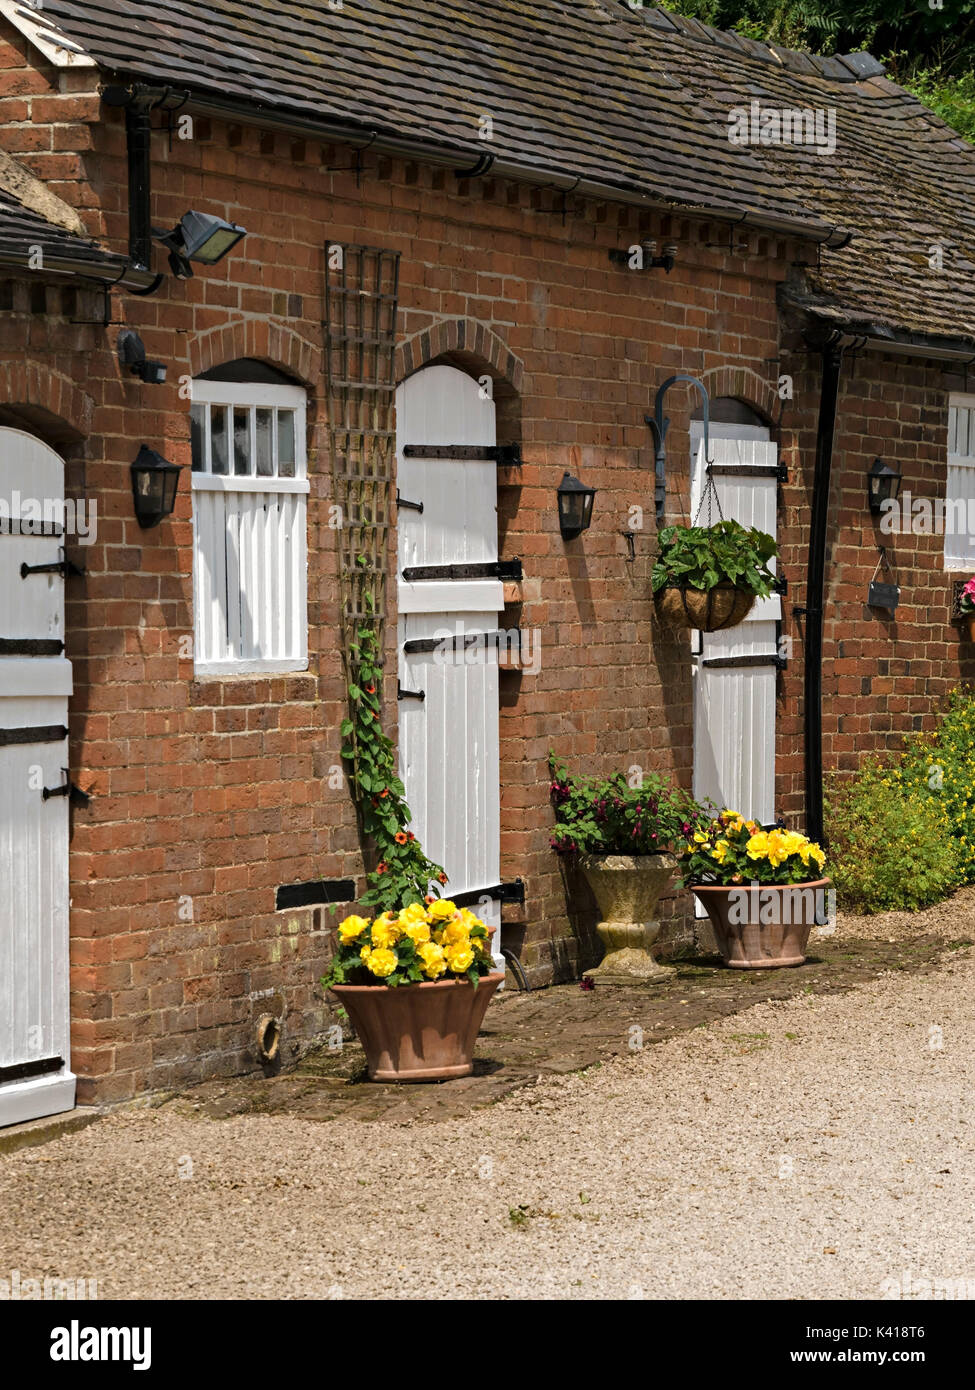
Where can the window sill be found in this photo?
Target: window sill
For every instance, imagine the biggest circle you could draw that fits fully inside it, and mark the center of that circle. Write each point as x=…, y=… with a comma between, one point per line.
x=216, y=670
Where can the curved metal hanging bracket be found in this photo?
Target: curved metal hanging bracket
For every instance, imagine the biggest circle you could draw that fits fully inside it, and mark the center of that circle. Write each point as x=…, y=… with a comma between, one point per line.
x=659, y=425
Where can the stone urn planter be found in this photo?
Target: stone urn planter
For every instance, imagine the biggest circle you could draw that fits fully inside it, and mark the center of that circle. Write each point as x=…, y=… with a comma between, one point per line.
x=764, y=926
x=627, y=889
x=710, y=610
x=422, y=1032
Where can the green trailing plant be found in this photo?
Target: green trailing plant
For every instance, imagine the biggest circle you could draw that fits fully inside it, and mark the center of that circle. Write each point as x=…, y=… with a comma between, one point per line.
x=403, y=874
x=701, y=557
x=642, y=814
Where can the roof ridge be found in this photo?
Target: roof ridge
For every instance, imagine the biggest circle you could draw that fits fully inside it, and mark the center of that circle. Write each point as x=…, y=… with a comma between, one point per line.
x=848, y=67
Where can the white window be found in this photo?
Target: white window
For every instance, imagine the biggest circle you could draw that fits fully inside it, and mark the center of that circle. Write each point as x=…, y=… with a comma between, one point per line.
x=960, y=493
x=250, y=559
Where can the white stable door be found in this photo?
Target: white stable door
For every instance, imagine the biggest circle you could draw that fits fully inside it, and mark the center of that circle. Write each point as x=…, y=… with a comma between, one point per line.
x=35, y=682
x=735, y=670
x=449, y=739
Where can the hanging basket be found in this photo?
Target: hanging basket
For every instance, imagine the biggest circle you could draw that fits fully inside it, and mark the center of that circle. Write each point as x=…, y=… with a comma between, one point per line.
x=709, y=610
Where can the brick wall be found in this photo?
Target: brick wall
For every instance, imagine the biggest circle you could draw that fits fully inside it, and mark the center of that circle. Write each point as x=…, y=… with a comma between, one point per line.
x=208, y=794
x=884, y=674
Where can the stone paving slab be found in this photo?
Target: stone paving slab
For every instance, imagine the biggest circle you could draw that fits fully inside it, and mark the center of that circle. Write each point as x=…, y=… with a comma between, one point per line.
x=562, y=1029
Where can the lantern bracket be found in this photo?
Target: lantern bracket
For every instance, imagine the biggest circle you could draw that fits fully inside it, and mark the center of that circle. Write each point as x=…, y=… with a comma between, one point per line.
x=660, y=424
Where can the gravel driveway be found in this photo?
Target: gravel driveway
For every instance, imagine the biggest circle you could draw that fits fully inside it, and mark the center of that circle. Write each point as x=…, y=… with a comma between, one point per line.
x=802, y=1150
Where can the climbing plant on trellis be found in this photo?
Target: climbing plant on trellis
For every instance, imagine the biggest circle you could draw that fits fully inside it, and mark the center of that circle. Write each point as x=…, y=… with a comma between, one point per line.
x=361, y=298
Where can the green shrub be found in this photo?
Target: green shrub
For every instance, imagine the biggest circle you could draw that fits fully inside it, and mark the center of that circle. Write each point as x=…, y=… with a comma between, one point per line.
x=890, y=843
x=939, y=768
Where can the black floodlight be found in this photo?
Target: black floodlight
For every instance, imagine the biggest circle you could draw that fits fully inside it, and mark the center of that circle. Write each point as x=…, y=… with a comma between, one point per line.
x=199, y=236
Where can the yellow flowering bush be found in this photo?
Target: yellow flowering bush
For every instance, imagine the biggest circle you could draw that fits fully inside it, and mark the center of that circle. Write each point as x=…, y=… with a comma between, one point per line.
x=733, y=850
x=424, y=941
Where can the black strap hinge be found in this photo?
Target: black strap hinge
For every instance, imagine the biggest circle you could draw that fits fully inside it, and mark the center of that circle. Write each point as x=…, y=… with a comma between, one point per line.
x=75, y=795
x=507, y=455
x=402, y=503
x=402, y=694
x=488, y=569
x=63, y=567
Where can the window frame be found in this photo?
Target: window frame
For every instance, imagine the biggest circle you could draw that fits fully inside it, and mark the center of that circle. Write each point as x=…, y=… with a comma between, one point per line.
x=965, y=401
x=253, y=396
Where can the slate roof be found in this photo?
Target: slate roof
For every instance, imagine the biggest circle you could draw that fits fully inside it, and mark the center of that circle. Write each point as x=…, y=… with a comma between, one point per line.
x=591, y=89
x=22, y=229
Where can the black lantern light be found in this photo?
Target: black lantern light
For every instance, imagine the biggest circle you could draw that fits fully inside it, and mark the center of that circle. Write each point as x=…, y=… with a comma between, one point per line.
x=883, y=483
x=575, y=507
x=154, y=484
x=199, y=236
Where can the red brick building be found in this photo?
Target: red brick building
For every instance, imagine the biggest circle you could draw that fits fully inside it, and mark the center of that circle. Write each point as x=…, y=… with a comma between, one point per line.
x=513, y=169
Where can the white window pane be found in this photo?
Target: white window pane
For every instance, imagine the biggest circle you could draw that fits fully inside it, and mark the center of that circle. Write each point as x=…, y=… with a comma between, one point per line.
x=265, y=448
x=242, y=440
x=198, y=424
x=286, y=444
x=219, y=443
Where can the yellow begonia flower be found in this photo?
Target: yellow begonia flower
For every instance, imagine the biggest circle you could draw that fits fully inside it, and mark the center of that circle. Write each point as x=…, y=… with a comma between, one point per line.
x=442, y=909
x=382, y=962
x=418, y=932
x=757, y=847
x=416, y=912
x=351, y=928
x=386, y=931
x=700, y=838
x=364, y=953
x=460, y=958
x=432, y=957
x=456, y=933
x=720, y=851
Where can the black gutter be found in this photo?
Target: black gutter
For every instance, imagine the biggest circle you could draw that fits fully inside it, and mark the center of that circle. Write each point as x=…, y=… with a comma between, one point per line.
x=108, y=272
x=832, y=354
x=123, y=89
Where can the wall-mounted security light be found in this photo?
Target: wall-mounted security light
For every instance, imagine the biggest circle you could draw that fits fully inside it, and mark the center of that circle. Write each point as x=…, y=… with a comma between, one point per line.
x=198, y=236
x=883, y=484
x=575, y=507
x=154, y=484
x=132, y=354
x=642, y=255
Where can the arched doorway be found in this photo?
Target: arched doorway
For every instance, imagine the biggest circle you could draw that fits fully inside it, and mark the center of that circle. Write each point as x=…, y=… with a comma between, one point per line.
x=35, y=683
x=450, y=596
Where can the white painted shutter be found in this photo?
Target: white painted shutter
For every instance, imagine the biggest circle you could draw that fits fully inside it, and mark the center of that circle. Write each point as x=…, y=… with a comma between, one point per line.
x=34, y=690
x=960, y=487
x=734, y=706
x=449, y=741
x=250, y=559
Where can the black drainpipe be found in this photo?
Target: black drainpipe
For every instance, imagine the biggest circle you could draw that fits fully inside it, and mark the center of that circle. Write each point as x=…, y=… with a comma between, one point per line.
x=832, y=353
x=138, y=103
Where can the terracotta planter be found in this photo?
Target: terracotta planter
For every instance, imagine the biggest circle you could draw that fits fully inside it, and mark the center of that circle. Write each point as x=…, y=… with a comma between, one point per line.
x=764, y=926
x=627, y=889
x=710, y=610
x=421, y=1032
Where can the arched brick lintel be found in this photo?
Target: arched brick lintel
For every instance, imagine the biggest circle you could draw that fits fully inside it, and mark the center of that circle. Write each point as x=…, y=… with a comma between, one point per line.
x=743, y=384
x=464, y=338
x=33, y=384
x=264, y=338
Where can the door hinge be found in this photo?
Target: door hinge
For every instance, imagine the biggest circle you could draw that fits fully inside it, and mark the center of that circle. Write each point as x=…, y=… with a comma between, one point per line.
x=34, y=733
x=507, y=455
x=511, y=892
x=22, y=1070
x=31, y=646
x=63, y=567
x=488, y=569
x=402, y=694
x=757, y=659
x=75, y=795
x=402, y=503
x=781, y=585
